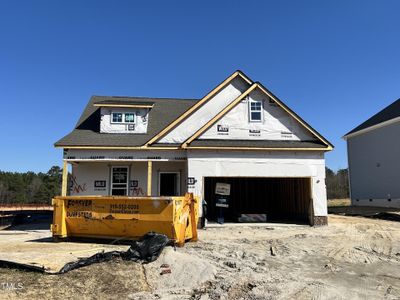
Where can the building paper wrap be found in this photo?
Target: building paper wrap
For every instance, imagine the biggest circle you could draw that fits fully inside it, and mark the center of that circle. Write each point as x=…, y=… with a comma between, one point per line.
x=266, y=164
x=123, y=155
x=85, y=175
x=276, y=123
x=206, y=112
x=89, y=166
x=140, y=125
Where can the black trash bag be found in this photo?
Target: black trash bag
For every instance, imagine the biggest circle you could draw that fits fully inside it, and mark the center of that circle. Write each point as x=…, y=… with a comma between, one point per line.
x=145, y=250
x=96, y=258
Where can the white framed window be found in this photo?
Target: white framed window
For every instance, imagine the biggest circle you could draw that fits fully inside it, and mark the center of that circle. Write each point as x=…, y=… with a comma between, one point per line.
x=122, y=118
x=255, y=111
x=116, y=117
x=129, y=117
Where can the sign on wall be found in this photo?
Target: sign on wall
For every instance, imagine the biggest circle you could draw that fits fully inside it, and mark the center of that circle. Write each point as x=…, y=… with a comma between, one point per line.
x=133, y=183
x=223, y=129
x=191, y=181
x=254, y=132
x=223, y=189
x=100, y=185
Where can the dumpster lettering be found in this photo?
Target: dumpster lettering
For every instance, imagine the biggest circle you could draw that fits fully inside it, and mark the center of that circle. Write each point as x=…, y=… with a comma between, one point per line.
x=79, y=203
x=123, y=208
x=79, y=214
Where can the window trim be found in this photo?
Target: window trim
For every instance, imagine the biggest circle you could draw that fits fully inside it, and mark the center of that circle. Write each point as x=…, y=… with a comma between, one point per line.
x=112, y=117
x=123, y=117
x=134, y=118
x=251, y=120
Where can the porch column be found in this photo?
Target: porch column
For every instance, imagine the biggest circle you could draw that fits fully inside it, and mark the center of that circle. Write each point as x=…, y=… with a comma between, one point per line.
x=64, y=179
x=149, y=174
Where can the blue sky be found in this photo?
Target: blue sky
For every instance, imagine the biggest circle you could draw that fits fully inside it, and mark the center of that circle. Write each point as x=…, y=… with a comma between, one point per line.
x=335, y=63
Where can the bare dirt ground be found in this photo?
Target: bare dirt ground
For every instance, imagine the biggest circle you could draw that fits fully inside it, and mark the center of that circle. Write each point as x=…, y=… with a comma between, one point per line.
x=339, y=202
x=352, y=258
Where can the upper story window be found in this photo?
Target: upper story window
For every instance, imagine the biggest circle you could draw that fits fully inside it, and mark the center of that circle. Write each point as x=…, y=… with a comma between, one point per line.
x=129, y=118
x=255, y=110
x=117, y=117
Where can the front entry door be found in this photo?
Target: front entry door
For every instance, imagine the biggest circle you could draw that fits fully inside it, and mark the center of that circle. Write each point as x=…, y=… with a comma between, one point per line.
x=119, y=181
x=169, y=184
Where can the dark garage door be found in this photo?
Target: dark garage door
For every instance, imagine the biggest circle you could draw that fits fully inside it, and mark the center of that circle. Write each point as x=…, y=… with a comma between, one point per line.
x=281, y=199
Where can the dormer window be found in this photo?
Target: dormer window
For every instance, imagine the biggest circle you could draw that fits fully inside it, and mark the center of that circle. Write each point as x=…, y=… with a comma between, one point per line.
x=124, y=116
x=118, y=117
x=255, y=110
x=129, y=118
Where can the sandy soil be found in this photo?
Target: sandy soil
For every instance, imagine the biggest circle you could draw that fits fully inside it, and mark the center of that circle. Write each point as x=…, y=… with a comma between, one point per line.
x=352, y=258
x=34, y=245
x=339, y=202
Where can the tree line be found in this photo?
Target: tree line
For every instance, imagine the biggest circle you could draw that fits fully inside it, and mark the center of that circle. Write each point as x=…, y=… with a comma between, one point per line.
x=337, y=183
x=40, y=187
x=30, y=187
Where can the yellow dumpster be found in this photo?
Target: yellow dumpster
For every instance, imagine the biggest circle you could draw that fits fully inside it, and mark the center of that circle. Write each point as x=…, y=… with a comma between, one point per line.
x=121, y=217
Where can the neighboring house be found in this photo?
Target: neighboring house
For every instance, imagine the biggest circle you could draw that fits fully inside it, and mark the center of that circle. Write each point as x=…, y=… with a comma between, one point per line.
x=373, y=150
x=239, y=134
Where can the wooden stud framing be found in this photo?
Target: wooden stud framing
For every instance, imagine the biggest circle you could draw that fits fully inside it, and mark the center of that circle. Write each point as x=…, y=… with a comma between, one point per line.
x=329, y=148
x=64, y=184
x=197, y=105
x=220, y=115
x=149, y=176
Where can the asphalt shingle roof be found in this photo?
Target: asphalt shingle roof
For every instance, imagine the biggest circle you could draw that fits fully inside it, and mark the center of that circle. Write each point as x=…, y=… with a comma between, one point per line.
x=87, y=130
x=164, y=112
x=390, y=112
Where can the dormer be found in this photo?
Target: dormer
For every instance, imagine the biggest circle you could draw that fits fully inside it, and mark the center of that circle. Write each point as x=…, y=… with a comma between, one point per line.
x=123, y=117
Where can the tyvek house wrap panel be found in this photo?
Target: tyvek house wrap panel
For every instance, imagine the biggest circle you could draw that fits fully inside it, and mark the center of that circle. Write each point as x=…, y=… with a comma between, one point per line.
x=276, y=123
x=266, y=164
x=139, y=126
x=206, y=112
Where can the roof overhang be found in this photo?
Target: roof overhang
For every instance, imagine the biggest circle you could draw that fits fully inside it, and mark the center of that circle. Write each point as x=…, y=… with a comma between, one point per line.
x=329, y=148
x=124, y=105
x=193, y=148
x=371, y=128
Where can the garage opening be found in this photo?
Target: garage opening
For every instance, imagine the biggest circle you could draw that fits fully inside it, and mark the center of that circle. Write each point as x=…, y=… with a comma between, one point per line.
x=279, y=199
